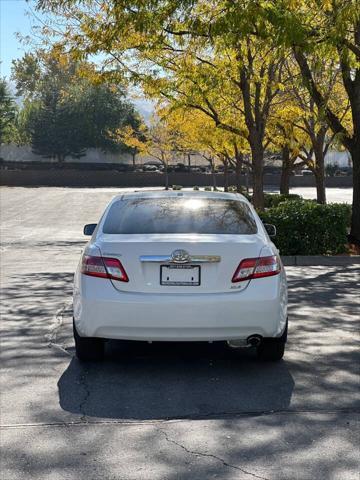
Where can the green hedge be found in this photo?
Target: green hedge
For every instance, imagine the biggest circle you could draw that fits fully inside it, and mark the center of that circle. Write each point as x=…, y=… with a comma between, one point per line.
x=274, y=199
x=307, y=228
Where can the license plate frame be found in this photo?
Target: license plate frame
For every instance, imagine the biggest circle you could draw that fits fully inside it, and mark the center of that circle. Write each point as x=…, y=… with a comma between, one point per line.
x=174, y=283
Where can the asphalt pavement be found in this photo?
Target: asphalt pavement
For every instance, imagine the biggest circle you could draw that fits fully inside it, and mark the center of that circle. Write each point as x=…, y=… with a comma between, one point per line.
x=165, y=412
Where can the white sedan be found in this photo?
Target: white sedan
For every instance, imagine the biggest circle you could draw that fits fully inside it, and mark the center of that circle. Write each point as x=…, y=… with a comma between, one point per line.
x=180, y=266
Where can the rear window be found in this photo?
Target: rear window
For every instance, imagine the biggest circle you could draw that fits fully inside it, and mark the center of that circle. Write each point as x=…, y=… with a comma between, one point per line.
x=179, y=215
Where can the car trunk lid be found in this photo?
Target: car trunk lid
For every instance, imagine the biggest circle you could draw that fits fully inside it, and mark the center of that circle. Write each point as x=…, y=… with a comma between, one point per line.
x=215, y=257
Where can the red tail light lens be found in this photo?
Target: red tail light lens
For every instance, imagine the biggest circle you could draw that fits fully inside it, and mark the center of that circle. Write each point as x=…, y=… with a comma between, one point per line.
x=257, y=268
x=104, y=267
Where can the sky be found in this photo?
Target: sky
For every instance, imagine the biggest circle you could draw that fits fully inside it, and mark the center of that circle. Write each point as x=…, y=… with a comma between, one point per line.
x=13, y=19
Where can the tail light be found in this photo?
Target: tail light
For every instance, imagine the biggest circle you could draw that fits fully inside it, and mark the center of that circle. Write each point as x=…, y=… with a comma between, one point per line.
x=257, y=268
x=104, y=267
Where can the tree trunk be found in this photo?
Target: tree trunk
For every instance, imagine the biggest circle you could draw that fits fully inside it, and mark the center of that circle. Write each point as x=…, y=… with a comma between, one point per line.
x=166, y=173
x=238, y=166
x=285, y=171
x=258, y=173
x=285, y=180
x=354, y=236
x=247, y=178
x=213, y=174
x=320, y=187
x=320, y=174
x=226, y=175
x=133, y=159
x=166, y=176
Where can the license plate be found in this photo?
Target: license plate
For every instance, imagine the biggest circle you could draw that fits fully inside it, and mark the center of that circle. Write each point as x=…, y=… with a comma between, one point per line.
x=180, y=275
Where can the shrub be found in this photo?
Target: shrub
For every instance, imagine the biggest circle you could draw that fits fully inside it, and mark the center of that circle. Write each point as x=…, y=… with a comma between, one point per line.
x=308, y=228
x=177, y=187
x=274, y=199
x=196, y=188
x=207, y=189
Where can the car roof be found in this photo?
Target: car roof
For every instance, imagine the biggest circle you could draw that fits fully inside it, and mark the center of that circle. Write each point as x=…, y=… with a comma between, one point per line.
x=183, y=193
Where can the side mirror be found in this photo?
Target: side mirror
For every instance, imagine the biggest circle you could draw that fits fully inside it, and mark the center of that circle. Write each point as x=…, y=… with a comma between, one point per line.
x=89, y=229
x=271, y=229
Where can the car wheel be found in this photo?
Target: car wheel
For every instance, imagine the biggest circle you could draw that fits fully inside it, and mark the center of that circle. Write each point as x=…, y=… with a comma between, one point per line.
x=88, y=349
x=271, y=351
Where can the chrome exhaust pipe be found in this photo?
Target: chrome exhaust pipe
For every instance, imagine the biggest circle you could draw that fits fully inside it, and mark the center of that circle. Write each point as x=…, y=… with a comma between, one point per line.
x=253, y=340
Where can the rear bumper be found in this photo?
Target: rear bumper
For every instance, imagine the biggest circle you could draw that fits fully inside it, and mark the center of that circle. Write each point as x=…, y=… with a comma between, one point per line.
x=102, y=311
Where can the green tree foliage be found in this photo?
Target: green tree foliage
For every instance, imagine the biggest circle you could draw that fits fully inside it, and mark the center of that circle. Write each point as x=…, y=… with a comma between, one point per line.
x=65, y=110
x=101, y=109
x=56, y=129
x=7, y=113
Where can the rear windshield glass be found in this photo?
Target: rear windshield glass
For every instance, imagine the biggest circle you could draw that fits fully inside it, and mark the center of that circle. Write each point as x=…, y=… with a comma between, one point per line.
x=179, y=215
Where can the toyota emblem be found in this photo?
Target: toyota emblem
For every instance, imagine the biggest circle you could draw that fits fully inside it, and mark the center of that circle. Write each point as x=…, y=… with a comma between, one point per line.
x=180, y=256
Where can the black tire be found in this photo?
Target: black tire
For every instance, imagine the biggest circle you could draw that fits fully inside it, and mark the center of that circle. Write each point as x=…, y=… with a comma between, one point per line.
x=87, y=348
x=273, y=349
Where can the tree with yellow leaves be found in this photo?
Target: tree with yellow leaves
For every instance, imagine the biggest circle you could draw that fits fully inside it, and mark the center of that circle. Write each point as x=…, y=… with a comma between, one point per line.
x=197, y=131
x=233, y=50
x=193, y=62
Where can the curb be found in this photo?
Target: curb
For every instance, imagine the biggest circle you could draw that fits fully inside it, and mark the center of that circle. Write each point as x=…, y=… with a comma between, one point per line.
x=319, y=260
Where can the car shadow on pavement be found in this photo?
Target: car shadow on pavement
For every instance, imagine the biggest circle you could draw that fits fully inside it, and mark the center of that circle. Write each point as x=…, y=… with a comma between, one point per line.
x=173, y=380
x=142, y=381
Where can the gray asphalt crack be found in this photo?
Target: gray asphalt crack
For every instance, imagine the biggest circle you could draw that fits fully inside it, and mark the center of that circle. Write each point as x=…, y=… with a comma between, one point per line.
x=210, y=455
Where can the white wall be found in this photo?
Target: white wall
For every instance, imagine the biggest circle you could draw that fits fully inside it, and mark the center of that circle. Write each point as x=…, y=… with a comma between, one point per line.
x=14, y=153
x=23, y=153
